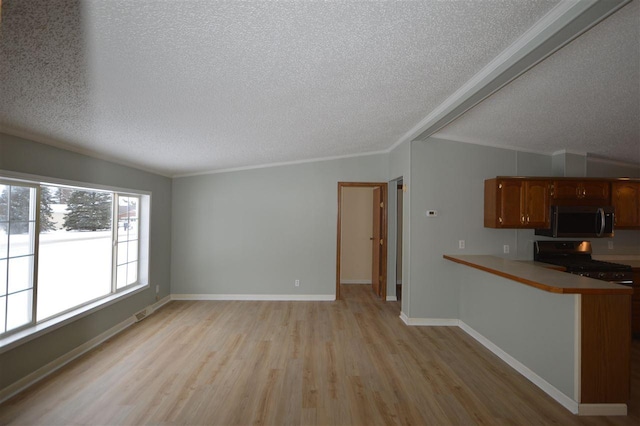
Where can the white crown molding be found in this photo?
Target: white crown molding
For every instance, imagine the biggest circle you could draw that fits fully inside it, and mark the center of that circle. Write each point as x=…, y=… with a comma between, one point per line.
x=566, y=151
x=598, y=159
x=283, y=163
x=489, y=144
x=562, y=24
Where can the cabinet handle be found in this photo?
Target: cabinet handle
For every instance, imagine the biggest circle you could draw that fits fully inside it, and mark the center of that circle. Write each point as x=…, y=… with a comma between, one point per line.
x=528, y=220
x=500, y=219
x=522, y=220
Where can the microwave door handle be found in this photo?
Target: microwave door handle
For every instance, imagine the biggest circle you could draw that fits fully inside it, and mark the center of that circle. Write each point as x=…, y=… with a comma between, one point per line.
x=602, y=222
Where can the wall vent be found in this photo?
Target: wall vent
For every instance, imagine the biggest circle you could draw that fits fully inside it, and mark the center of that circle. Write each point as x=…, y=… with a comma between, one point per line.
x=141, y=315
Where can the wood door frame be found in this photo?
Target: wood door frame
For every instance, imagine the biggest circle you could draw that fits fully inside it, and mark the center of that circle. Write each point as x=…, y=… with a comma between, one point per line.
x=383, y=256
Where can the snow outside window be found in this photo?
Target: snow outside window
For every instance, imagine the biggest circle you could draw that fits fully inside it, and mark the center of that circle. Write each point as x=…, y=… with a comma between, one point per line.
x=74, y=259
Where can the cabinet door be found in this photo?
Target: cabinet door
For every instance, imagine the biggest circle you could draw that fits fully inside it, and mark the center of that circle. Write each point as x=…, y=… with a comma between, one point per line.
x=536, y=206
x=511, y=203
x=625, y=198
x=566, y=190
x=595, y=190
x=577, y=192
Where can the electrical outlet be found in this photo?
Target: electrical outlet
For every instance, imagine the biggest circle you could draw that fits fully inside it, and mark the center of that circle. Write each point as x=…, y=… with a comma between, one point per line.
x=610, y=245
x=506, y=248
x=157, y=288
x=461, y=244
x=297, y=283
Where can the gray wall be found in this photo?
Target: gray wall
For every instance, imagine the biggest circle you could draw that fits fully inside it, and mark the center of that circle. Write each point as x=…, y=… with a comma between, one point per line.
x=23, y=156
x=254, y=232
x=449, y=177
x=533, y=326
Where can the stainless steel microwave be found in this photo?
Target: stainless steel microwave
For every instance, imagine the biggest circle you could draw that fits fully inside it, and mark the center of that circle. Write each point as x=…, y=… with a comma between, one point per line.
x=580, y=221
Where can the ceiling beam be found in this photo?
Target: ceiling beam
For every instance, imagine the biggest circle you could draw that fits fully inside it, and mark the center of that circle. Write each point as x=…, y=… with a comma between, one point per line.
x=565, y=22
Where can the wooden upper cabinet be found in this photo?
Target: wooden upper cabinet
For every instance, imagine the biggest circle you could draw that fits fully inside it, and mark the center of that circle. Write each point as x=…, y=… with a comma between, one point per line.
x=510, y=201
x=586, y=193
x=536, y=207
x=625, y=198
x=516, y=203
x=525, y=202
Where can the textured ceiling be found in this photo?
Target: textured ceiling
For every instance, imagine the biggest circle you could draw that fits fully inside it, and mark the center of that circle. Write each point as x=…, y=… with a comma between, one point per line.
x=583, y=99
x=184, y=87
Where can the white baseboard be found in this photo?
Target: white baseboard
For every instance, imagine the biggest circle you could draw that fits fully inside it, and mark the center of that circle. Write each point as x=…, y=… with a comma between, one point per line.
x=160, y=303
x=257, y=297
x=437, y=322
x=547, y=387
x=392, y=299
x=355, y=281
x=60, y=362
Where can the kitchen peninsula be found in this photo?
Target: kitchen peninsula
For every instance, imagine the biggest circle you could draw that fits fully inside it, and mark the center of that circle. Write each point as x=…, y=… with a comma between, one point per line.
x=568, y=334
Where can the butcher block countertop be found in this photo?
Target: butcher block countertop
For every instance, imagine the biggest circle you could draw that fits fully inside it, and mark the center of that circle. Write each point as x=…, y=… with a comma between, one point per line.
x=543, y=278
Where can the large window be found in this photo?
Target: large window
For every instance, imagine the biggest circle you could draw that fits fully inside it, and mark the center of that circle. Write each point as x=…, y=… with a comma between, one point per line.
x=63, y=247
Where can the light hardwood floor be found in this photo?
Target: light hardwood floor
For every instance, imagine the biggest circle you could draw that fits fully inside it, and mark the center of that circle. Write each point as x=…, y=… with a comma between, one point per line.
x=351, y=362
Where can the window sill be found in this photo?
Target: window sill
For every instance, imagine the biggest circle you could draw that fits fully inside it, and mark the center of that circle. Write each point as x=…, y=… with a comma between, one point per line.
x=23, y=336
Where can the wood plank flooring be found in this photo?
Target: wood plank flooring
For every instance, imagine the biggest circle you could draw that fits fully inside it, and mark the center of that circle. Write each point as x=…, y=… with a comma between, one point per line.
x=351, y=362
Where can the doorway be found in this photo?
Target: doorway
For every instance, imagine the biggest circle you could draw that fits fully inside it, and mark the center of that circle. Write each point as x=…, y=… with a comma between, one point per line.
x=377, y=238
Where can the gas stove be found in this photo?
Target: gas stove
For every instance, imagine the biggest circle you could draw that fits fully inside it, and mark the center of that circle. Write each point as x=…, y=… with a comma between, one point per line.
x=575, y=257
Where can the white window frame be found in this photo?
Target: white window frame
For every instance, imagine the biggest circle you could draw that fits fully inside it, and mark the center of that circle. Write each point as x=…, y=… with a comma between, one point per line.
x=34, y=264
x=116, y=240
x=36, y=328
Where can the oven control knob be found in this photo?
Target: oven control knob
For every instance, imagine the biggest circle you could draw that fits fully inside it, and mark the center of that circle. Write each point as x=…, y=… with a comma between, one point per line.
x=601, y=275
